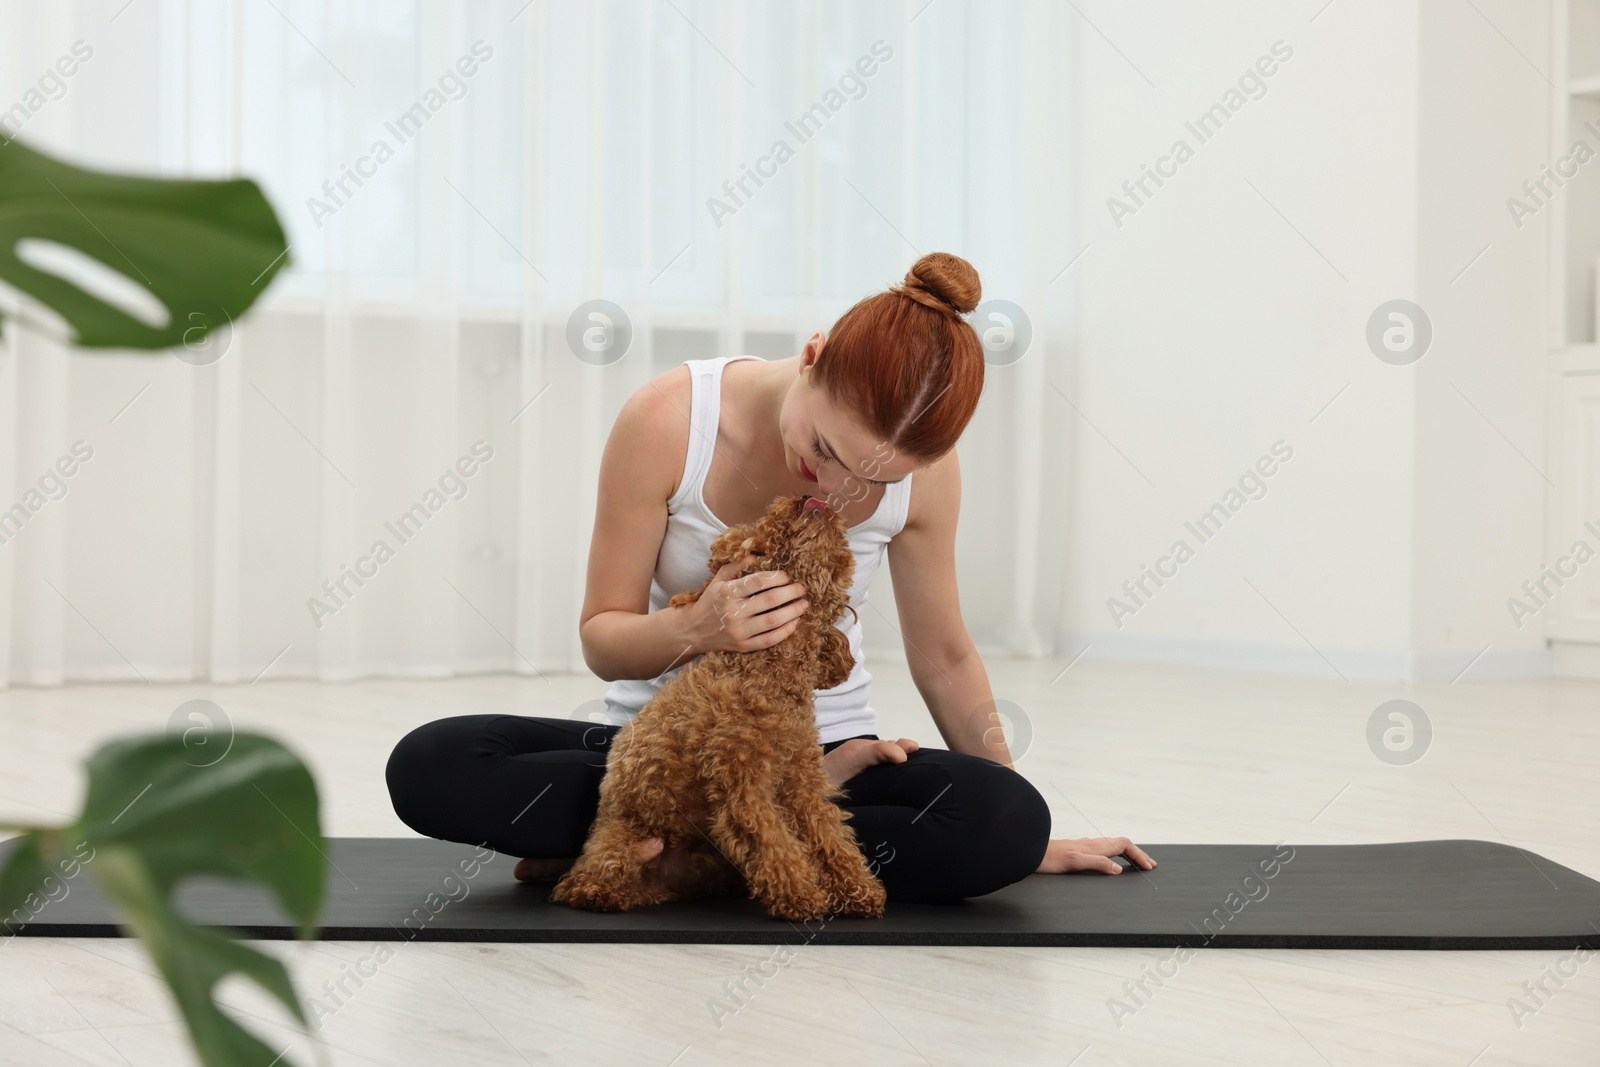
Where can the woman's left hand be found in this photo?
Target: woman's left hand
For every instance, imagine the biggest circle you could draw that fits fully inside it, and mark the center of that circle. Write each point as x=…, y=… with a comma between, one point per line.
x=1064, y=855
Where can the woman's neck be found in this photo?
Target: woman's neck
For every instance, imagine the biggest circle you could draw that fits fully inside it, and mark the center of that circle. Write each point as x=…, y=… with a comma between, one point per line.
x=758, y=402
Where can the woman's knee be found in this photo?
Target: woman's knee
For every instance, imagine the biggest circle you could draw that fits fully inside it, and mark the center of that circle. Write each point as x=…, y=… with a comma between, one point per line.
x=1029, y=818
x=1009, y=832
x=420, y=764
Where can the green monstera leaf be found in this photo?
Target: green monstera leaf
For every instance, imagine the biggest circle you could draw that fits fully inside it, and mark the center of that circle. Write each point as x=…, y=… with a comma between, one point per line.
x=151, y=819
x=204, y=249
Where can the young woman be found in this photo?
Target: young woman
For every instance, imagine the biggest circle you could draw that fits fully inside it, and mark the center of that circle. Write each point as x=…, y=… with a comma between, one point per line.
x=708, y=445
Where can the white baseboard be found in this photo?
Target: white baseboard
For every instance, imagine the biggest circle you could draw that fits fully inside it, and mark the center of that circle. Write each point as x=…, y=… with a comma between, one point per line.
x=1356, y=665
x=110, y=674
x=1576, y=659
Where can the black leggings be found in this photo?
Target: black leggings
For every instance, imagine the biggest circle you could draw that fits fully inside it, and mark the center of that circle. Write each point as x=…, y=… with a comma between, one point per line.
x=938, y=828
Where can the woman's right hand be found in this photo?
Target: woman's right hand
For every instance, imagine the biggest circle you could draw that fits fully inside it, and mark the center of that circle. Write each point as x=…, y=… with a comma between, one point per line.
x=741, y=612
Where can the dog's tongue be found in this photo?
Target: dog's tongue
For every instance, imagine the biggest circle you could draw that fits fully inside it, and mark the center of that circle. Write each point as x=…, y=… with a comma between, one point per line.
x=812, y=504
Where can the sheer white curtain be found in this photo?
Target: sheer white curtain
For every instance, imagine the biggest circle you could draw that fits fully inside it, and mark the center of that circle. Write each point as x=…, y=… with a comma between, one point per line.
x=455, y=180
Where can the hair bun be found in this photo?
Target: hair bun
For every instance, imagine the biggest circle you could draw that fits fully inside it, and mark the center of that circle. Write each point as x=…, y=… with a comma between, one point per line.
x=942, y=281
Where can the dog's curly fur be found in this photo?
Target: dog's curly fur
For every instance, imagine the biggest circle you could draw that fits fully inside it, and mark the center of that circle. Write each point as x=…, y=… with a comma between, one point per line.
x=724, y=763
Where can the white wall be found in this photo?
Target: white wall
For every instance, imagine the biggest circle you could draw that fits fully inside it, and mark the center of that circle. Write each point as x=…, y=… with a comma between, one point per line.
x=430, y=311
x=1479, y=507
x=1231, y=308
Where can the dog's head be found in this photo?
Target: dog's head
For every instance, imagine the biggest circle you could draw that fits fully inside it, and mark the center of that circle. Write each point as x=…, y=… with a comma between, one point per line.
x=805, y=538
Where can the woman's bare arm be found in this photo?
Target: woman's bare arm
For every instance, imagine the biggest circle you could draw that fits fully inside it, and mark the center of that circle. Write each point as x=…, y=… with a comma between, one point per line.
x=625, y=644
x=733, y=612
x=643, y=457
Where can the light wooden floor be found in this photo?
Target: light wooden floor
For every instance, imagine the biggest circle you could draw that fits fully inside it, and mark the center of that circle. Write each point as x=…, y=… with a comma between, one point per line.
x=1158, y=754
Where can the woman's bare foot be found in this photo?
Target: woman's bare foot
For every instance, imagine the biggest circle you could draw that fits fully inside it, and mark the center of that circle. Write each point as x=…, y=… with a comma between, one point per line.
x=550, y=870
x=671, y=865
x=542, y=870
x=856, y=755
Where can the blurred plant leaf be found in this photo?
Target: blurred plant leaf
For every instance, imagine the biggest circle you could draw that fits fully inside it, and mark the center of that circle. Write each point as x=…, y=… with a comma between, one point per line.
x=152, y=819
x=204, y=249
x=193, y=959
x=24, y=885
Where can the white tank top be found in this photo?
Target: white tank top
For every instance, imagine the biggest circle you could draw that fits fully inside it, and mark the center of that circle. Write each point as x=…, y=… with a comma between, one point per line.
x=686, y=549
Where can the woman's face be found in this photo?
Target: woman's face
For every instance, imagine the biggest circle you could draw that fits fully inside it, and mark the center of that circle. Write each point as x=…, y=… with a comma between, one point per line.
x=850, y=459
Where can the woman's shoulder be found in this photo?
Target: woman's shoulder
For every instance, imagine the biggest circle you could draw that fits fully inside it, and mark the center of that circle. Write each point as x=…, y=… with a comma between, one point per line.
x=934, y=492
x=652, y=428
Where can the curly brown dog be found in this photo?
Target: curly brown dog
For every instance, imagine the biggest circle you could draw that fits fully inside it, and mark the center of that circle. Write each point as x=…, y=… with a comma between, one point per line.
x=724, y=763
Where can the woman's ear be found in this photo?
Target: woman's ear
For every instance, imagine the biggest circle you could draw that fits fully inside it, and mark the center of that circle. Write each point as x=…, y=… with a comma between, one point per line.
x=812, y=349
x=834, y=659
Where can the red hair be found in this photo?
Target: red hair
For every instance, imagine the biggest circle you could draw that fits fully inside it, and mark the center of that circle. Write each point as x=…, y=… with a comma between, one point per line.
x=906, y=362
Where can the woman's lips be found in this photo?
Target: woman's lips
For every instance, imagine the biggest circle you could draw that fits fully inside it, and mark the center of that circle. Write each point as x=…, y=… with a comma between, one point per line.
x=805, y=470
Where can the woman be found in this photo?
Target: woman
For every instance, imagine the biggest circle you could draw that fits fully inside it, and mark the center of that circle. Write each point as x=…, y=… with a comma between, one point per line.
x=708, y=445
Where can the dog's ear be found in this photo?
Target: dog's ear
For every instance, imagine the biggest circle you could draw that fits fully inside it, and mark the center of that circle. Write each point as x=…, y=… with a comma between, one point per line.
x=761, y=536
x=731, y=545
x=834, y=659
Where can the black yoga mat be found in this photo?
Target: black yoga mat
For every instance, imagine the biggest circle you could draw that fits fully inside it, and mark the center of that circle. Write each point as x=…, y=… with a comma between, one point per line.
x=1404, y=895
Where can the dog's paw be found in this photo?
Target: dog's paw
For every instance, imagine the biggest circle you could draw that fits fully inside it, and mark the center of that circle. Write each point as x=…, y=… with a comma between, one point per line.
x=581, y=891
x=801, y=907
x=854, y=890
x=861, y=900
